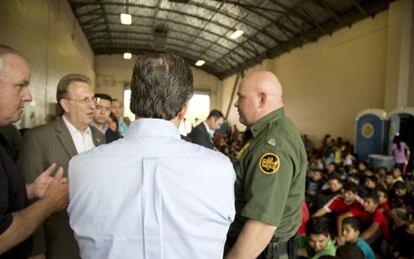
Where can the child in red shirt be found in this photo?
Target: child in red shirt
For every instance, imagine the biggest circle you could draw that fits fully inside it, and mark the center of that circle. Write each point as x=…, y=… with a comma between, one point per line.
x=372, y=216
x=340, y=204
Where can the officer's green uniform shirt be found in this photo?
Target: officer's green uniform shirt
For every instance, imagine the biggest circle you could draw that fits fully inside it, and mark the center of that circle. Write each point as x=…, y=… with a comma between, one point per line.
x=271, y=172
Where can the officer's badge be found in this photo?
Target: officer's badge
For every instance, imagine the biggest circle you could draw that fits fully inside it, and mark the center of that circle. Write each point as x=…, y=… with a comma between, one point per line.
x=269, y=163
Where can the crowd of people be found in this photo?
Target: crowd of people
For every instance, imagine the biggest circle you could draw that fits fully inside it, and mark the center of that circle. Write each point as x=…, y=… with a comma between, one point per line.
x=86, y=184
x=350, y=203
x=140, y=190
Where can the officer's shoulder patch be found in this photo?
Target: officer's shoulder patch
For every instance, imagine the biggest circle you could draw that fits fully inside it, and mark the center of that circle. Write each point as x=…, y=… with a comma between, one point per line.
x=269, y=163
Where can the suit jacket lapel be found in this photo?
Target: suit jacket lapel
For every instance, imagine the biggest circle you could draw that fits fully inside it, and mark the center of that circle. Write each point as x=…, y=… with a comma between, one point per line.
x=65, y=138
x=97, y=137
x=208, y=138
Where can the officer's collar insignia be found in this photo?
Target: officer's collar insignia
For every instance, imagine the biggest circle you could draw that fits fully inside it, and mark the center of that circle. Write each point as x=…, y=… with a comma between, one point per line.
x=269, y=163
x=242, y=151
x=271, y=142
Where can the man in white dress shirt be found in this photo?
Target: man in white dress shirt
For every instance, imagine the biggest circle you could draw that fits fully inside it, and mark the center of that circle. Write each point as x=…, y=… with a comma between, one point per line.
x=57, y=142
x=152, y=195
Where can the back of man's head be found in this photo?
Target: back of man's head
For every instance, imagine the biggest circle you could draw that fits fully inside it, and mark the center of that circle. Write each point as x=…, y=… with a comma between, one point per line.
x=160, y=87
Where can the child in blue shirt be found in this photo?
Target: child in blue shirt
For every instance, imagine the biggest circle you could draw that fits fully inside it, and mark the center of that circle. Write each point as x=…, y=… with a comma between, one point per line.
x=351, y=232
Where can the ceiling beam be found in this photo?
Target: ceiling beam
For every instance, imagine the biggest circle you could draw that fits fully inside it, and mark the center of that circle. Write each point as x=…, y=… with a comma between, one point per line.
x=109, y=3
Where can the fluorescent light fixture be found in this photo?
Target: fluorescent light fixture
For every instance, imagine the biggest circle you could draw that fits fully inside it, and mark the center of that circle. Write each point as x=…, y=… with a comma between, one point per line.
x=126, y=19
x=200, y=62
x=127, y=55
x=236, y=34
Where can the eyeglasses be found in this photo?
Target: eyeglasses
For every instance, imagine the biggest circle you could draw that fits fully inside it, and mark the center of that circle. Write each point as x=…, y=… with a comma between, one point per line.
x=85, y=100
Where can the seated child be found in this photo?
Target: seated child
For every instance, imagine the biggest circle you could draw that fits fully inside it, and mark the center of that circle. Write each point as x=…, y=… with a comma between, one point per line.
x=355, y=178
x=371, y=216
x=404, y=247
x=402, y=205
x=317, y=241
x=396, y=172
x=342, y=203
x=370, y=183
x=350, y=233
x=315, y=182
x=383, y=200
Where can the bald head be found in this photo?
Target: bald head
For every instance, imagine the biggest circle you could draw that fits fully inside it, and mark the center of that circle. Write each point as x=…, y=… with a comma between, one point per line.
x=264, y=82
x=259, y=94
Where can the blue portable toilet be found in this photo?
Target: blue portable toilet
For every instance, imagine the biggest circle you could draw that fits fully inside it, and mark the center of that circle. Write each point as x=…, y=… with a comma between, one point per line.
x=401, y=121
x=370, y=133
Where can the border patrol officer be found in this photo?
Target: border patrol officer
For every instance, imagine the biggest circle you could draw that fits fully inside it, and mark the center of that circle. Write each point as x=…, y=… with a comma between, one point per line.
x=271, y=172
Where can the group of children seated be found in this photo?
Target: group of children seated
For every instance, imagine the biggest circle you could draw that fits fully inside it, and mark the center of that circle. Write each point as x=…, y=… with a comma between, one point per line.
x=351, y=210
x=356, y=211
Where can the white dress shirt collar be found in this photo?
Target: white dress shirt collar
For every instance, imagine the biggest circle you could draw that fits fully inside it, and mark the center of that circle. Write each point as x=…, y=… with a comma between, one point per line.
x=83, y=141
x=209, y=131
x=152, y=127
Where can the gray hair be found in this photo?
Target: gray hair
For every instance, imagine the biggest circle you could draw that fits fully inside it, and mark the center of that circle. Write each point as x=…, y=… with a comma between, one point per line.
x=161, y=85
x=63, y=87
x=7, y=50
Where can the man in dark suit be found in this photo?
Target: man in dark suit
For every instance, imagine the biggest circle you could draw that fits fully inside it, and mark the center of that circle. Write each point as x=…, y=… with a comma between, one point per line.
x=18, y=219
x=203, y=133
x=101, y=117
x=57, y=142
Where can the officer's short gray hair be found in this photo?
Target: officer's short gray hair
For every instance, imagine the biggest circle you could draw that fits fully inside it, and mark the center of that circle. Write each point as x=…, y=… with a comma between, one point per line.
x=161, y=85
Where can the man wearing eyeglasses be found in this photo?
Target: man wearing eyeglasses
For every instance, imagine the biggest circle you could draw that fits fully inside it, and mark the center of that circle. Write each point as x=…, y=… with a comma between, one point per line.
x=57, y=142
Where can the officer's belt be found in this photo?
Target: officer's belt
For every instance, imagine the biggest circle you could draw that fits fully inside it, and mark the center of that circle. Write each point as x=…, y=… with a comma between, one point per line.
x=282, y=247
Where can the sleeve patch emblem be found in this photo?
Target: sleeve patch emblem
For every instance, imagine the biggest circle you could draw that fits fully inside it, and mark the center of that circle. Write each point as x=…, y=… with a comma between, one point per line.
x=269, y=163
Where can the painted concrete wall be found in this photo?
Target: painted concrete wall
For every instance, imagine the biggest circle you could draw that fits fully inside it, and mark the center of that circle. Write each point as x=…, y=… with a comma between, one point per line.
x=47, y=33
x=328, y=82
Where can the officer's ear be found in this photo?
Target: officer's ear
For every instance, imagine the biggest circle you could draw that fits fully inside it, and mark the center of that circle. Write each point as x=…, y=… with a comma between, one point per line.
x=262, y=99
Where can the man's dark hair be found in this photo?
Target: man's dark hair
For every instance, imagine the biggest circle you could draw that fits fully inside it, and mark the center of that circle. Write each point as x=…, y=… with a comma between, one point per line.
x=161, y=85
x=216, y=114
x=373, y=195
x=351, y=187
x=353, y=222
x=349, y=250
x=103, y=96
x=63, y=87
x=318, y=225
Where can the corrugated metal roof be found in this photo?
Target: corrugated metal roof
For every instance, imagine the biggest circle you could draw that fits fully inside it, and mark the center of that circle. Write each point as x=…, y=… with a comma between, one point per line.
x=201, y=29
